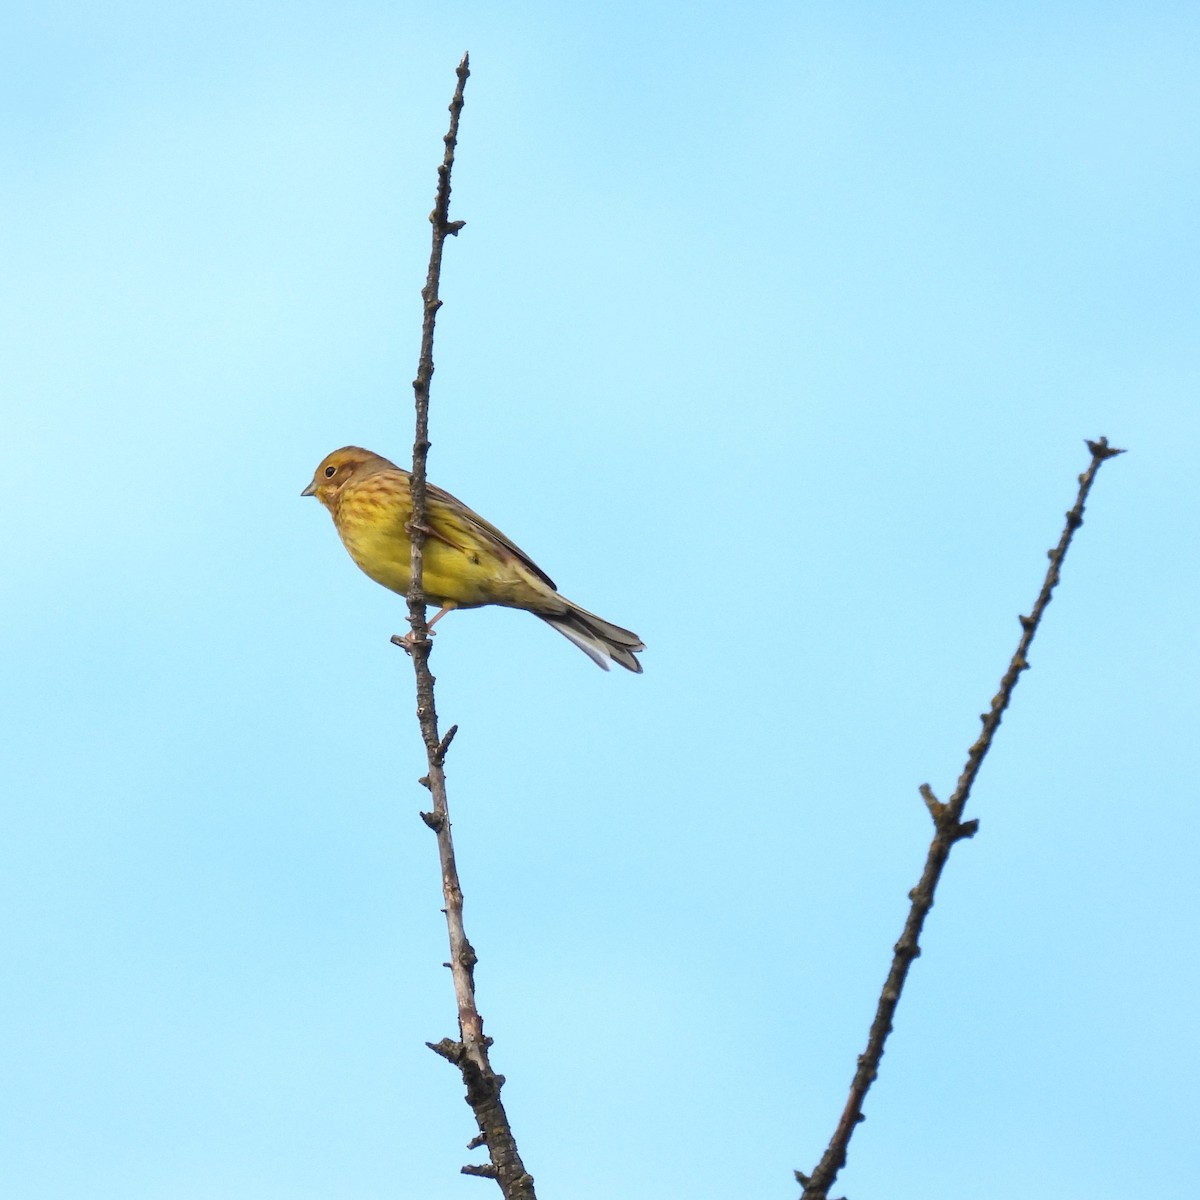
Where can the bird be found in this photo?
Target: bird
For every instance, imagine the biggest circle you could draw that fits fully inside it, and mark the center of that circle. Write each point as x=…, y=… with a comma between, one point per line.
x=467, y=562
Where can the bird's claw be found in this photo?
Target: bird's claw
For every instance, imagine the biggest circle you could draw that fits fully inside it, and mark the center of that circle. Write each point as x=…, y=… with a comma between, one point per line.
x=408, y=640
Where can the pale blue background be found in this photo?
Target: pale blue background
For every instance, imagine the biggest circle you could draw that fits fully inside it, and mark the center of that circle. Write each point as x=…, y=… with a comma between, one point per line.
x=775, y=333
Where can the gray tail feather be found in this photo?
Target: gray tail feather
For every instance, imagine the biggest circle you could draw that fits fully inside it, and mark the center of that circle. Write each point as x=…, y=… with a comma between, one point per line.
x=601, y=640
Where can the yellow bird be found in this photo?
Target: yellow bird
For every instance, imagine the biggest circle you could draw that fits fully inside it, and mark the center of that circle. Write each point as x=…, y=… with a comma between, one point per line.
x=468, y=562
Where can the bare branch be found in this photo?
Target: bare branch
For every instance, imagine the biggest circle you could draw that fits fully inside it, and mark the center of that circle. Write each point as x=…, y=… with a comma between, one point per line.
x=949, y=828
x=470, y=1053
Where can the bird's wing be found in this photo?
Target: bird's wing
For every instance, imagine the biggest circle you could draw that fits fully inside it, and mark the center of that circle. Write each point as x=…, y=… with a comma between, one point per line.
x=455, y=509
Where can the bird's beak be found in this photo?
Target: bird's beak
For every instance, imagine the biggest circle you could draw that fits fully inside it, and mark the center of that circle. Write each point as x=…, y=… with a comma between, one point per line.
x=311, y=490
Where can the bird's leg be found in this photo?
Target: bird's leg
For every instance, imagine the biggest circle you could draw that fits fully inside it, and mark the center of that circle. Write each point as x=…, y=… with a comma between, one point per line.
x=437, y=616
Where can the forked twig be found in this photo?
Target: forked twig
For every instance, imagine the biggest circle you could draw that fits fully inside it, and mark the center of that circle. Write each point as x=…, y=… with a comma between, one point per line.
x=470, y=1052
x=949, y=828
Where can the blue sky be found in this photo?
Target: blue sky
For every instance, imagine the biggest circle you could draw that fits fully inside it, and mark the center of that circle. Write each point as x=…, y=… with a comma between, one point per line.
x=774, y=335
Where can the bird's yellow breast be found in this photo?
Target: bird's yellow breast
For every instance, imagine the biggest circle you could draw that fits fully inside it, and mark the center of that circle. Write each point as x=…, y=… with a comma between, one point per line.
x=460, y=568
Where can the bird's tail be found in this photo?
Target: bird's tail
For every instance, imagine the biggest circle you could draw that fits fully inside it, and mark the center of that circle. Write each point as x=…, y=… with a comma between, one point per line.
x=601, y=640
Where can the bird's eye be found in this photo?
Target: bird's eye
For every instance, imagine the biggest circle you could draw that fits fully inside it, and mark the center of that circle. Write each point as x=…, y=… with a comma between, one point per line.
x=330, y=472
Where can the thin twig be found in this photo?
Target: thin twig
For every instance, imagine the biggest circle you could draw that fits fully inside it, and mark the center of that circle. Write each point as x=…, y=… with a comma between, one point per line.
x=470, y=1052
x=949, y=828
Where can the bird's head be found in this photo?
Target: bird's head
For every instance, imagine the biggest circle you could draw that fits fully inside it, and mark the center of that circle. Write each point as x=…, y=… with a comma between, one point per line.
x=338, y=469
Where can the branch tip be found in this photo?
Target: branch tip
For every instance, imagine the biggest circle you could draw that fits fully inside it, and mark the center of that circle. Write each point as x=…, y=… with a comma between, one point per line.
x=1102, y=450
x=447, y=1049
x=486, y=1171
x=932, y=803
x=444, y=745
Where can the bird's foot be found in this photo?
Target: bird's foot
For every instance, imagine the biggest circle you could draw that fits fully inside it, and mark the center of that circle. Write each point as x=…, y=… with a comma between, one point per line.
x=408, y=640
